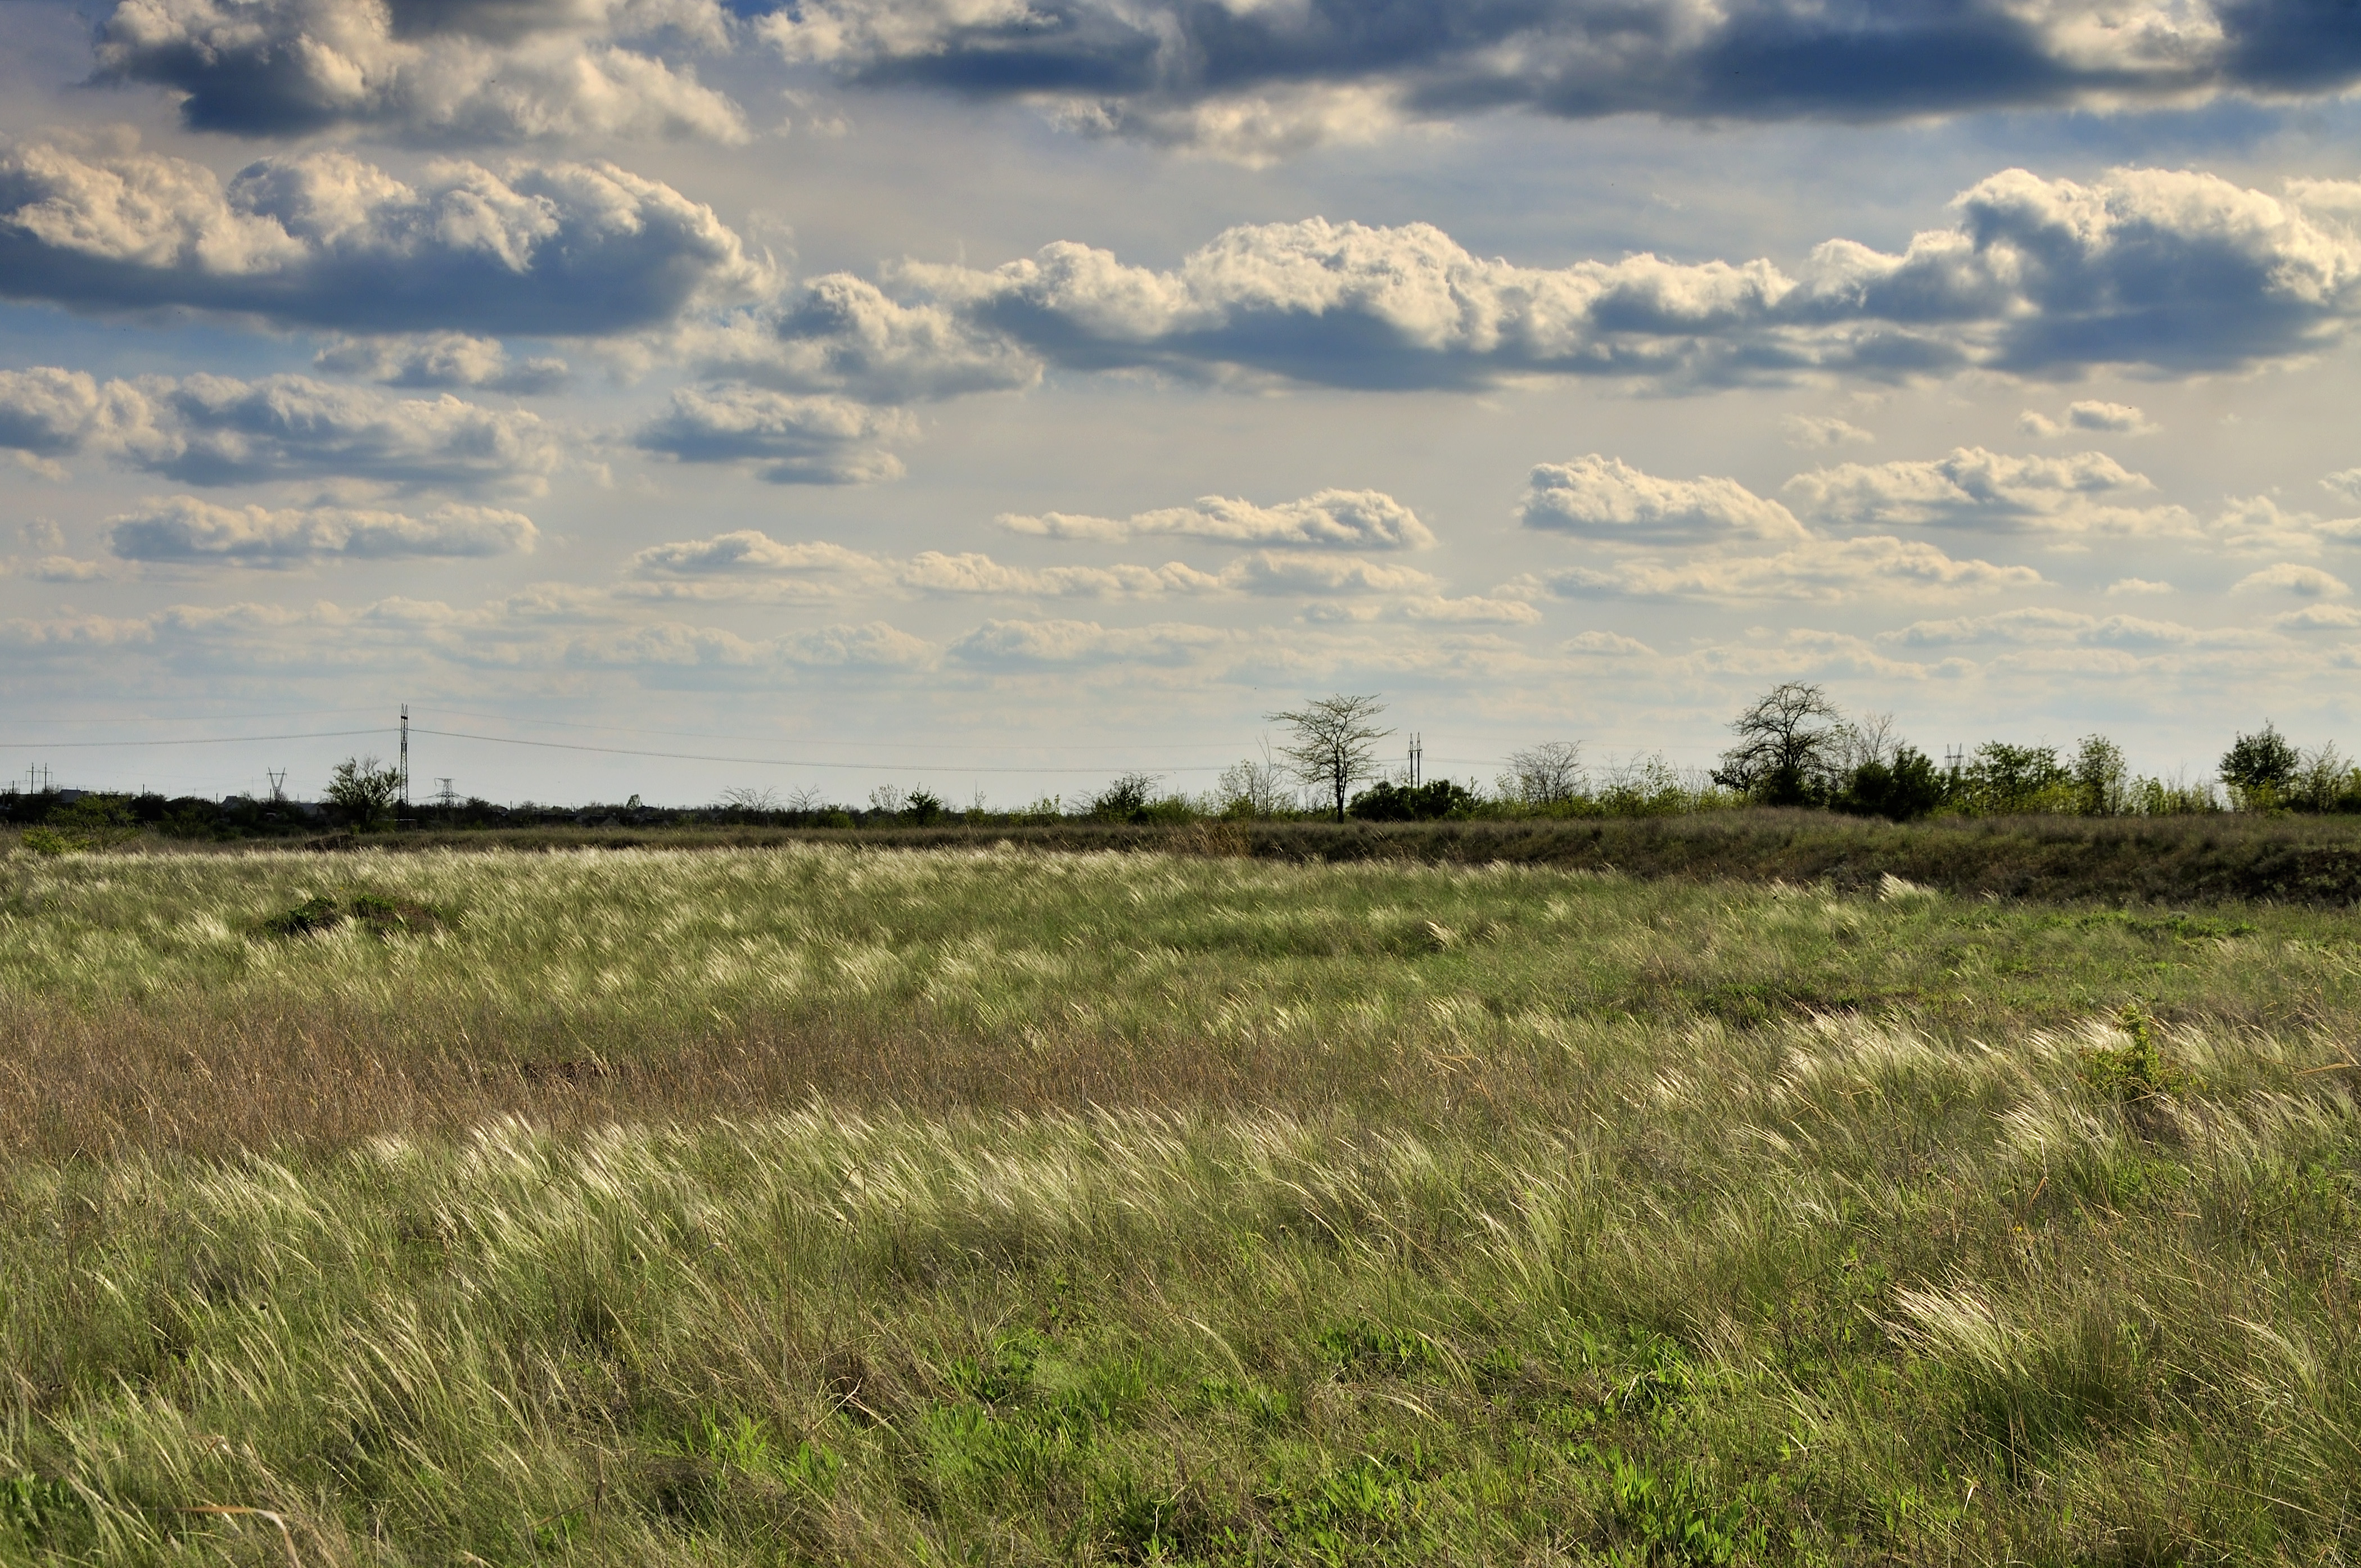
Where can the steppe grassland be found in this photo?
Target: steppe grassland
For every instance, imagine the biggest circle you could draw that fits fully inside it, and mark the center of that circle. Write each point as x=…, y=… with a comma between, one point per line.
x=822, y=1205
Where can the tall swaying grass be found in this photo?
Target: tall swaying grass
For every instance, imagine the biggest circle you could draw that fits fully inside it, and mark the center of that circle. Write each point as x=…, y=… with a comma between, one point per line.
x=852, y=1207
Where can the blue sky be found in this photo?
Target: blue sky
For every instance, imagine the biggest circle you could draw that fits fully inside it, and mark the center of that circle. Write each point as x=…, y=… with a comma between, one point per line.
x=995, y=395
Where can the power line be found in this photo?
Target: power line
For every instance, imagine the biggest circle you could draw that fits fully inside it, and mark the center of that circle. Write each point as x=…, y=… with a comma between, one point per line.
x=202, y=741
x=187, y=717
x=636, y=752
x=770, y=762
x=712, y=735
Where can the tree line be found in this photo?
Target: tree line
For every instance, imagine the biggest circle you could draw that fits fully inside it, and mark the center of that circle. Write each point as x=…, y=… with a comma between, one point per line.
x=1791, y=747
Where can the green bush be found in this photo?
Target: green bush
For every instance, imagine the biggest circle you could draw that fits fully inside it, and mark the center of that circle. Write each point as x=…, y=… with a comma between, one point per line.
x=2136, y=1069
x=2002, y=780
x=93, y=822
x=1385, y=802
x=1901, y=791
x=2259, y=768
x=364, y=792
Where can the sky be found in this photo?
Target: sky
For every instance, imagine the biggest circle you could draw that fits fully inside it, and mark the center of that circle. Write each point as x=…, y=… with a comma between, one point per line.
x=667, y=397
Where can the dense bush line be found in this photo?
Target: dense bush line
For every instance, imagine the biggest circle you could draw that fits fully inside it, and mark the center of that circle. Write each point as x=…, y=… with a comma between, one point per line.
x=1794, y=748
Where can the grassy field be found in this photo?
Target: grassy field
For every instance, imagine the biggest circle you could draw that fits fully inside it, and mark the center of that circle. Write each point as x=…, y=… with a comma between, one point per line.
x=2211, y=858
x=829, y=1205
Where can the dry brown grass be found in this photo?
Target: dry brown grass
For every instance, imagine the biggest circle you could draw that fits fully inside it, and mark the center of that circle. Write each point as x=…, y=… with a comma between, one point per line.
x=81, y=1084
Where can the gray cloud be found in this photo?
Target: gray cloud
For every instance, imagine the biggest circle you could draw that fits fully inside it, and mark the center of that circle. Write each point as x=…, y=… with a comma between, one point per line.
x=787, y=440
x=1335, y=520
x=470, y=71
x=841, y=334
x=505, y=635
x=182, y=529
x=1828, y=570
x=2258, y=523
x=747, y=553
x=440, y=359
x=2333, y=618
x=324, y=239
x=1035, y=644
x=216, y=430
x=2166, y=270
x=2288, y=577
x=819, y=569
x=1816, y=431
x=669, y=645
x=1260, y=80
x=2065, y=627
x=1474, y=610
x=2121, y=418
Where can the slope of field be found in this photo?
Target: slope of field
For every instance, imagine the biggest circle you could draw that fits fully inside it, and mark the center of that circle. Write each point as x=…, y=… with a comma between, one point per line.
x=2206, y=859
x=821, y=1205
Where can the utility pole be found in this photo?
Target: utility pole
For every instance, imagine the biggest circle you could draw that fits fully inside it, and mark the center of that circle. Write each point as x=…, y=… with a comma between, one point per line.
x=277, y=784
x=1417, y=758
x=1955, y=759
x=445, y=797
x=405, y=753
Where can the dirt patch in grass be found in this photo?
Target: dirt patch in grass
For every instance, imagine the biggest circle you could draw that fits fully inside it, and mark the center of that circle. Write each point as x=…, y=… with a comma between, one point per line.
x=381, y=915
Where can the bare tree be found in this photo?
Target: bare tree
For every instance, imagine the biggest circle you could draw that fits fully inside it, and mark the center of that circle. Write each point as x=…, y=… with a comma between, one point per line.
x=1544, y=774
x=1786, y=747
x=1330, y=748
x=1255, y=788
x=751, y=798
x=1871, y=738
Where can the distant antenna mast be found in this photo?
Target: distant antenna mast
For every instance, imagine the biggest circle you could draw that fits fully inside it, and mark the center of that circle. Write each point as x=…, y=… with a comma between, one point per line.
x=277, y=784
x=405, y=753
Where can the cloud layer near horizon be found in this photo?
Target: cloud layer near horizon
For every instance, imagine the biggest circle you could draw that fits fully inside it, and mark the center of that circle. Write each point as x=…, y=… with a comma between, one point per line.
x=2176, y=272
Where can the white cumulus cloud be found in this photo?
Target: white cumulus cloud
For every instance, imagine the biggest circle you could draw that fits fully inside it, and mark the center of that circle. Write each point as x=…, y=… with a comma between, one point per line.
x=182, y=529
x=325, y=239
x=2084, y=493
x=2288, y=577
x=1335, y=520
x=1604, y=498
x=449, y=71
x=787, y=440
x=2120, y=418
x=219, y=430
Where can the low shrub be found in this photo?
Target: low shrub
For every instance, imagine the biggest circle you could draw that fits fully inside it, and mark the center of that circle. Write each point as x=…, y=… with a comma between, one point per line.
x=2136, y=1069
x=94, y=822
